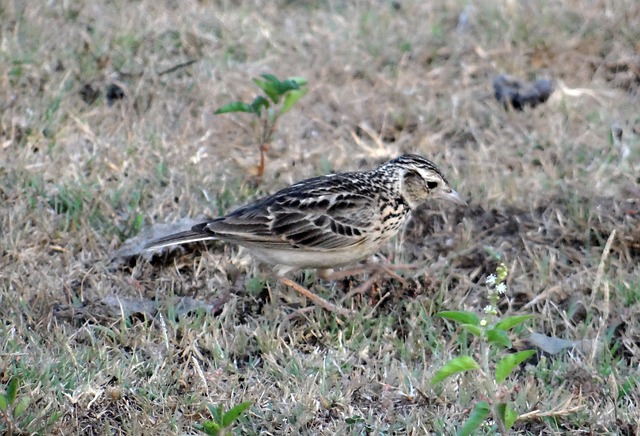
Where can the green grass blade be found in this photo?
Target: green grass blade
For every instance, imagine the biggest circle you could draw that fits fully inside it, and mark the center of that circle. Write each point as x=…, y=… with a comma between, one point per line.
x=628, y=387
x=138, y=222
x=53, y=418
x=4, y=404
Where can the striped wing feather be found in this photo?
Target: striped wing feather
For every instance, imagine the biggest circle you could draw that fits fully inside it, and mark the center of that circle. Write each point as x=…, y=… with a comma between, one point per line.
x=324, y=213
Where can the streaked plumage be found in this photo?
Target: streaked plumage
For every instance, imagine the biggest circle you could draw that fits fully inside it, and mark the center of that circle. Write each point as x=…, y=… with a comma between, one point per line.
x=327, y=221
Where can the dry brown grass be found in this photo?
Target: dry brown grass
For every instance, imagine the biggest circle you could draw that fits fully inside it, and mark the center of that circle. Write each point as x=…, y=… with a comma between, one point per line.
x=547, y=188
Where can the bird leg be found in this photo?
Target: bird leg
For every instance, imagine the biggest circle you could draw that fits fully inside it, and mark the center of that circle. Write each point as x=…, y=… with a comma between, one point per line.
x=377, y=270
x=316, y=299
x=362, y=288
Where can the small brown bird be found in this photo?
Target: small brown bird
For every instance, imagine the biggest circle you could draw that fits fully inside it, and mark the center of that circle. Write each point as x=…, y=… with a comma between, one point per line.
x=327, y=221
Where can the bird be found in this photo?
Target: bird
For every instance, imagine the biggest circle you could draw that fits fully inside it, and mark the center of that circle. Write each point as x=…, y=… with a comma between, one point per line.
x=329, y=221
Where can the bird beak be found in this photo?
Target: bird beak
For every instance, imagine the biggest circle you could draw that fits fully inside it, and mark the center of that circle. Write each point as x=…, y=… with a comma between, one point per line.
x=455, y=197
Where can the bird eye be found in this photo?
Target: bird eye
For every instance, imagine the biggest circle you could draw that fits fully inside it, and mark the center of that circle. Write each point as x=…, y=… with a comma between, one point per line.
x=432, y=185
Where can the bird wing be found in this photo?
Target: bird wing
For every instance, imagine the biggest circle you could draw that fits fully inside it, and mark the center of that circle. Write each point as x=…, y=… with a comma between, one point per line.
x=325, y=213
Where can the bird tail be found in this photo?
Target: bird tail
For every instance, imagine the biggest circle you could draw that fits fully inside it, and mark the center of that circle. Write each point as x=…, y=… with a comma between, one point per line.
x=178, y=238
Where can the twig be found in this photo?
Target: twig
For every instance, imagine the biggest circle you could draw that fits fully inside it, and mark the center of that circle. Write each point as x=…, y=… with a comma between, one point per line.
x=177, y=67
x=561, y=410
x=373, y=311
x=603, y=258
x=605, y=292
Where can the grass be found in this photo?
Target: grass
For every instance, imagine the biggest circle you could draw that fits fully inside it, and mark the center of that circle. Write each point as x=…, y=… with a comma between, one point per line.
x=547, y=188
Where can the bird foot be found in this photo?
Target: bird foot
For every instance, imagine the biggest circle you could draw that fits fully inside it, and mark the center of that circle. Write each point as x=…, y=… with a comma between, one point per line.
x=369, y=267
x=376, y=271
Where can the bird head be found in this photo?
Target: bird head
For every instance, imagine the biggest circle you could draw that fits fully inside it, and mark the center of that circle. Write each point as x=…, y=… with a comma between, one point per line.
x=421, y=180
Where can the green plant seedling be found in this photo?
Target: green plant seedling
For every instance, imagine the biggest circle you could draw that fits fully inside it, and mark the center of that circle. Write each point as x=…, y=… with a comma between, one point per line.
x=495, y=365
x=279, y=97
x=17, y=417
x=219, y=425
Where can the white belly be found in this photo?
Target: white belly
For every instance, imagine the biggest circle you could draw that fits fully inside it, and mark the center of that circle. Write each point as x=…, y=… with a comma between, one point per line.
x=308, y=259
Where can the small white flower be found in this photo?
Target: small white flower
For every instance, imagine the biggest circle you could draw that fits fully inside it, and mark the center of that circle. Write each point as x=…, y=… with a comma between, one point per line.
x=501, y=288
x=488, y=309
x=483, y=323
x=491, y=279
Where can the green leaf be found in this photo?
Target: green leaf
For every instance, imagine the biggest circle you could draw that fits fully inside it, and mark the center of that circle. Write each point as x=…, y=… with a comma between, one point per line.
x=4, y=404
x=506, y=365
x=211, y=428
x=480, y=413
x=216, y=412
x=460, y=317
x=234, y=412
x=236, y=106
x=507, y=414
x=301, y=81
x=286, y=86
x=270, y=78
x=473, y=329
x=499, y=337
x=292, y=98
x=269, y=87
x=353, y=420
x=12, y=390
x=512, y=321
x=21, y=406
x=454, y=366
x=258, y=103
